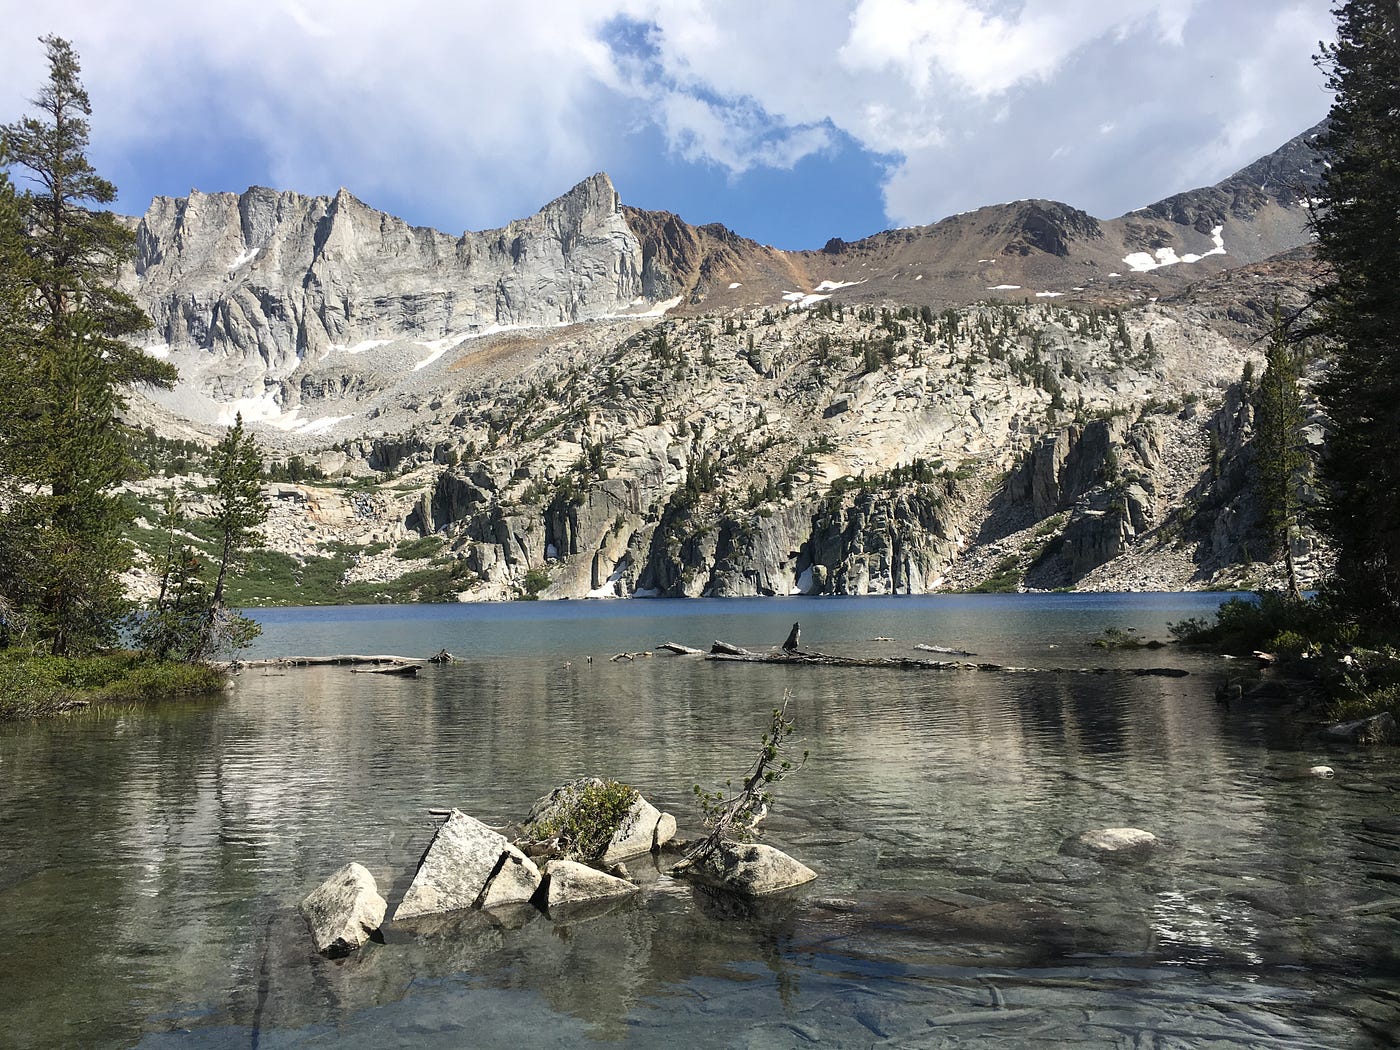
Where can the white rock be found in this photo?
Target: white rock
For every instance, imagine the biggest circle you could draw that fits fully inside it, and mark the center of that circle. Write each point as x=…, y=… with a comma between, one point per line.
x=1116, y=842
x=1322, y=772
x=344, y=911
x=754, y=869
x=665, y=830
x=458, y=868
x=569, y=882
x=635, y=834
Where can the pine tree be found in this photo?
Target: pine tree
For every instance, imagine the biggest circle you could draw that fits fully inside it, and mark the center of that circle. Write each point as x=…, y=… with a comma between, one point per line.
x=66, y=362
x=1279, y=458
x=239, y=514
x=1358, y=238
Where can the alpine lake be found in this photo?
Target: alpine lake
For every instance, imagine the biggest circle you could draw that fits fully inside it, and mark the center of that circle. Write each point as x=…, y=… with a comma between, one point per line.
x=152, y=859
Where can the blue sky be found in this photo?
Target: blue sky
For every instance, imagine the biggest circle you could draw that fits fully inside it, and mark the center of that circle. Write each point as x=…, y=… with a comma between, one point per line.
x=790, y=121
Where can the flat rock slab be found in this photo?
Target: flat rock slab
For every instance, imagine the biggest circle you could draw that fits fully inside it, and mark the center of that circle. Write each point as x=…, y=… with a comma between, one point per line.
x=569, y=882
x=344, y=911
x=468, y=865
x=753, y=869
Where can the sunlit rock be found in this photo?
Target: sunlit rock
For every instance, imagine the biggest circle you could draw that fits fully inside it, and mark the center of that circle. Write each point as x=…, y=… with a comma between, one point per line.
x=569, y=882
x=344, y=911
x=468, y=865
x=753, y=869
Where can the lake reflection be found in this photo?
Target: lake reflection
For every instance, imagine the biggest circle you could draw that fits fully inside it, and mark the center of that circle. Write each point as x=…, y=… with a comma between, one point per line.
x=151, y=861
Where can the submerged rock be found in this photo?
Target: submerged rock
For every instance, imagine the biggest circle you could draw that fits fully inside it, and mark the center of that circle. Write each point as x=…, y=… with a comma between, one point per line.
x=344, y=911
x=1113, y=843
x=468, y=865
x=752, y=869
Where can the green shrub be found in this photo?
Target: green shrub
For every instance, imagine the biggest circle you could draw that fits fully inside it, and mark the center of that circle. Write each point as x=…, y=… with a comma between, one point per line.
x=585, y=819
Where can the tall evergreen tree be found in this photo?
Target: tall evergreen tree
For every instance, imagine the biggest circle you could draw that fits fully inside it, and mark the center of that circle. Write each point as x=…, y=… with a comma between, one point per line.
x=1358, y=237
x=68, y=360
x=1279, y=458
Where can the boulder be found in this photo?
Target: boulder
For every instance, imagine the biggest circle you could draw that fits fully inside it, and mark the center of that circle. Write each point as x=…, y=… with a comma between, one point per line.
x=569, y=882
x=665, y=830
x=752, y=869
x=1322, y=772
x=468, y=865
x=1378, y=729
x=635, y=834
x=637, y=831
x=1113, y=843
x=344, y=911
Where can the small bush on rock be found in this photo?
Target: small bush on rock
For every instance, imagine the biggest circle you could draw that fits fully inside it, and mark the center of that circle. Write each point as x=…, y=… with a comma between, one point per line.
x=582, y=822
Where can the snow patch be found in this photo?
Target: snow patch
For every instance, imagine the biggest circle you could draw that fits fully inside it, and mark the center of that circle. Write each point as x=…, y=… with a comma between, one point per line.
x=1004, y=288
x=831, y=286
x=360, y=347
x=735, y=284
x=659, y=310
x=608, y=588
x=1048, y=295
x=1144, y=262
x=246, y=257
x=803, y=584
x=803, y=299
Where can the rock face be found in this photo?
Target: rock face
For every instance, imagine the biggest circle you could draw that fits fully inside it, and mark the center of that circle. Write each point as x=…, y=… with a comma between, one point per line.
x=275, y=282
x=468, y=865
x=344, y=911
x=754, y=869
x=568, y=882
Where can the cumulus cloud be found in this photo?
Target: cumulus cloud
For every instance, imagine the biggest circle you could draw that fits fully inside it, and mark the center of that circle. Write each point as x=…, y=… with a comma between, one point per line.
x=473, y=112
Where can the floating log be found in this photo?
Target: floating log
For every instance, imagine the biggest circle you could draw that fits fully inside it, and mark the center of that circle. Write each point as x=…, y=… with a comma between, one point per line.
x=323, y=661
x=406, y=670
x=944, y=650
x=907, y=664
x=679, y=649
x=725, y=649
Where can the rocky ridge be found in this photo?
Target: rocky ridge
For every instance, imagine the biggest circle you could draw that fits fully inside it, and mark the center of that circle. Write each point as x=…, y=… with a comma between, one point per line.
x=899, y=426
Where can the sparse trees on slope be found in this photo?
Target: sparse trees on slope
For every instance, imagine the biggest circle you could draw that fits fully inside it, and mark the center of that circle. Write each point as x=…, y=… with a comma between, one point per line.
x=1358, y=237
x=66, y=361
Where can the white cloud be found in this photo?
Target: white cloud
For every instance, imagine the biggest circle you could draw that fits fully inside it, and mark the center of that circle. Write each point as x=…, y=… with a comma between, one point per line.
x=493, y=108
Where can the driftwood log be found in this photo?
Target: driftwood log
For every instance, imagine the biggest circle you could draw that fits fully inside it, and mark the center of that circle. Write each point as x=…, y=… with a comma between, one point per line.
x=679, y=649
x=907, y=664
x=323, y=661
x=944, y=650
x=406, y=670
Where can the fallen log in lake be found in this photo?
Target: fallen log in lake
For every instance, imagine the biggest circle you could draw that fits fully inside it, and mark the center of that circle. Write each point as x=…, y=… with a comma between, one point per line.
x=909, y=664
x=324, y=661
x=679, y=650
x=407, y=670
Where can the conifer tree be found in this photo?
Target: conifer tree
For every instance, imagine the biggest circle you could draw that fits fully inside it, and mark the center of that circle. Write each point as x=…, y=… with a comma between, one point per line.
x=66, y=362
x=239, y=514
x=1280, y=460
x=1358, y=238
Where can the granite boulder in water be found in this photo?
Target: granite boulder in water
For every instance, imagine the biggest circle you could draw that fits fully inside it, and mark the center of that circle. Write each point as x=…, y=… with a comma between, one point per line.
x=344, y=911
x=468, y=865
